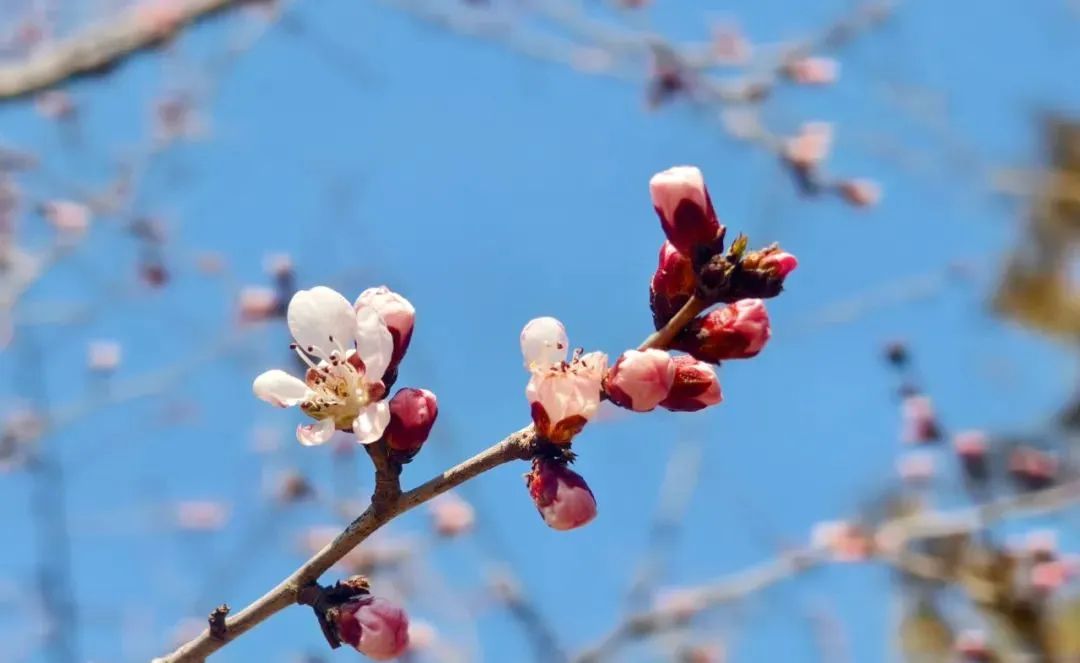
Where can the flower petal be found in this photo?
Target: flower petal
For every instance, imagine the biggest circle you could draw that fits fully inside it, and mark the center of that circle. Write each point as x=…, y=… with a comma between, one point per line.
x=544, y=342
x=316, y=433
x=317, y=315
x=374, y=343
x=279, y=388
x=371, y=422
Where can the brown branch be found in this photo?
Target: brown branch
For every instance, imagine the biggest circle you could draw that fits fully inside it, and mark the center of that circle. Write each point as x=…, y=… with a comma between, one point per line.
x=387, y=503
x=101, y=47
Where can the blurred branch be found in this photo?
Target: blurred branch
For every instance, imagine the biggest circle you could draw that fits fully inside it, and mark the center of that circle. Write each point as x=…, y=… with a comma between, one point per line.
x=102, y=47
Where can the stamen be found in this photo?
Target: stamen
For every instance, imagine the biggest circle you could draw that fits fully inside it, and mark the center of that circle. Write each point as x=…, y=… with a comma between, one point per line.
x=306, y=359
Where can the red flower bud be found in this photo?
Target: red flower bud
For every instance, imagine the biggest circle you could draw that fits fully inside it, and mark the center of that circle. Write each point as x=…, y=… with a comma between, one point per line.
x=736, y=331
x=860, y=192
x=686, y=213
x=695, y=386
x=412, y=414
x=639, y=380
x=672, y=284
x=374, y=627
x=561, y=496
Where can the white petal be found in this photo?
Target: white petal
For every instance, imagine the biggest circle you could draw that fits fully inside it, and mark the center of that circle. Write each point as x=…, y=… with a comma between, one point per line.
x=279, y=388
x=316, y=433
x=374, y=343
x=544, y=342
x=318, y=314
x=371, y=422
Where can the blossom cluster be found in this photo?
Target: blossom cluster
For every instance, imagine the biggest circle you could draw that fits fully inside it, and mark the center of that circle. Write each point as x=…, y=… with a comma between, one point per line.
x=565, y=388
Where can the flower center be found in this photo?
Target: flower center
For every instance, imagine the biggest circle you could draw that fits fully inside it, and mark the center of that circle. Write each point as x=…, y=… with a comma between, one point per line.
x=338, y=389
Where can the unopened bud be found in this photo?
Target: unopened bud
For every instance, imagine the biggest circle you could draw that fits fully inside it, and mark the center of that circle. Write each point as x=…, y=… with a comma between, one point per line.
x=686, y=213
x=373, y=626
x=640, y=379
x=694, y=387
x=561, y=496
x=412, y=414
x=672, y=284
x=396, y=312
x=736, y=331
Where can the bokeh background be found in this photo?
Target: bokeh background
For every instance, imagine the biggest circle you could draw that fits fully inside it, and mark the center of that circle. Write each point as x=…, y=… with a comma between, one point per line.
x=375, y=144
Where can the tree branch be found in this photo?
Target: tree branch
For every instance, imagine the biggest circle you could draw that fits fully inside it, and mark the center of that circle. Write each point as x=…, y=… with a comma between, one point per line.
x=387, y=503
x=101, y=47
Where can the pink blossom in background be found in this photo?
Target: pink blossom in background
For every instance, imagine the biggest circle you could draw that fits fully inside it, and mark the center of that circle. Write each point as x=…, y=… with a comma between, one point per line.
x=256, y=303
x=103, y=356
x=201, y=515
x=811, y=146
x=919, y=421
x=54, y=105
x=67, y=217
x=640, y=379
x=860, y=192
x=813, y=71
x=561, y=496
x=451, y=515
x=729, y=45
x=844, y=541
x=694, y=387
x=686, y=213
x=374, y=627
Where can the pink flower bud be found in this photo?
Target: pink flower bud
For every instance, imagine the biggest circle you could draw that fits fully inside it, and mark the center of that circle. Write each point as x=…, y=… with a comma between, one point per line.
x=396, y=312
x=672, y=284
x=639, y=380
x=374, y=627
x=735, y=331
x=694, y=387
x=778, y=263
x=971, y=448
x=1048, y=577
x=919, y=420
x=860, y=192
x=412, y=414
x=562, y=497
x=686, y=213
x=813, y=71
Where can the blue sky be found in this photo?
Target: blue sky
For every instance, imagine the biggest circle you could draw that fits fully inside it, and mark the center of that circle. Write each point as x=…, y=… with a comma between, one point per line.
x=490, y=189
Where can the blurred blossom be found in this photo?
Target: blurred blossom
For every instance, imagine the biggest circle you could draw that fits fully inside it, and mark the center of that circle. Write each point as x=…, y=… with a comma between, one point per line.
x=278, y=264
x=103, y=356
x=67, y=217
x=161, y=17
x=1032, y=469
x=811, y=146
x=919, y=420
x=729, y=45
x=860, y=192
x=451, y=515
x=845, y=541
x=813, y=70
x=200, y=515
x=971, y=646
x=681, y=602
x=294, y=487
x=422, y=635
x=257, y=303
